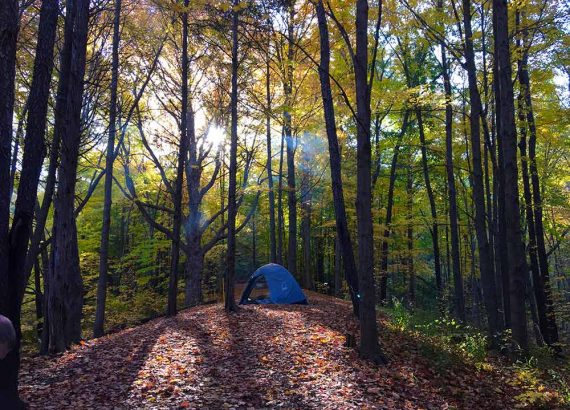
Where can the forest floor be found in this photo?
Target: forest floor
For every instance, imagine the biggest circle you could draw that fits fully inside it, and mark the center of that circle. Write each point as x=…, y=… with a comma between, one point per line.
x=289, y=356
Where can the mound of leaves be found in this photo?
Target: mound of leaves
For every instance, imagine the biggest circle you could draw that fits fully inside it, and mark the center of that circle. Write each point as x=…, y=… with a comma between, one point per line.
x=261, y=357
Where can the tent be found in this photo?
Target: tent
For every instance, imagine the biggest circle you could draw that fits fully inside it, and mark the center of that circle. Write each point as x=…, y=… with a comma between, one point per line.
x=282, y=287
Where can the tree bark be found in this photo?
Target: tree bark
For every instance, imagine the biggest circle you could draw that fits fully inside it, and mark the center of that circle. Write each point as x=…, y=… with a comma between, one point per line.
x=229, y=302
x=271, y=194
x=410, y=240
x=517, y=264
x=369, y=346
x=34, y=153
x=337, y=267
x=485, y=262
x=280, y=219
x=306, y=211
x=537, y=284
x=98, y=327
x=253, y=244
x=389, y=209
x=18, y=139
x=65, y=292
x=344, y=240
x=9, y=20
x=182, y=152
x=501, y=241
x=542, y=286
x=458, y=293
x=291, y=146
x=195, y=253
x=193, y=270
x=434, y=229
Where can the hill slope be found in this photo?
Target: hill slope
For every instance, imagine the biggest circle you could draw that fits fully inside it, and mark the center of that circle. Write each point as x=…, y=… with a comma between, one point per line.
x=261, y=357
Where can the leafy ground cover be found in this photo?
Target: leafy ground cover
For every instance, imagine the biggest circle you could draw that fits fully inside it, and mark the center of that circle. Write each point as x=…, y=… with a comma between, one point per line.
x=271, y=357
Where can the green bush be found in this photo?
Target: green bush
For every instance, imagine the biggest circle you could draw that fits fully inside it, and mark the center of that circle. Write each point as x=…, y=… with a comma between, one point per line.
x=401, y=316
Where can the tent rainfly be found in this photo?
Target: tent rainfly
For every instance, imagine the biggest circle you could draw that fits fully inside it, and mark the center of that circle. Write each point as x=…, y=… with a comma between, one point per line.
x=282, y=286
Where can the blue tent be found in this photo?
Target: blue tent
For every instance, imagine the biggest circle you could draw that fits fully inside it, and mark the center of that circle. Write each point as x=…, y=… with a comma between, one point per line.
x=282, y=286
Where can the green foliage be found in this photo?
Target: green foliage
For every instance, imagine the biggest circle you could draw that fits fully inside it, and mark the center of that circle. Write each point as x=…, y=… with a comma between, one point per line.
x=540, y=373
x=541, y=377
x=443, y=337
x=401, y=317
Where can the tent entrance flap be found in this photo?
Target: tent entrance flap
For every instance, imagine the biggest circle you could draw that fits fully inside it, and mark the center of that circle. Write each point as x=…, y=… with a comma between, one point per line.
x=281, y=286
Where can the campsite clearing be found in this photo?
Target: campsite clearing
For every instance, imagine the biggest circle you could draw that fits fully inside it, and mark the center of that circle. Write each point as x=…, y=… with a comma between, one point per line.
x=264, y=356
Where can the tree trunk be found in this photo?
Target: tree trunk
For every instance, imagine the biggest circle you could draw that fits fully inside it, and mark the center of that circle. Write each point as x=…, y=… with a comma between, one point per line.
x=194, y=269
x=485, y=262
x=253, y=244
x=229, y=303
x=177, y=197
x=543, y=290
x=517, y=264
x=389, y=208
x=271, y=194
x=18, y=136
x=39, y=298
x=501, y=219
x=194, y=253
x=65, y=295
x=8, y=306
x=537, y=284
x=344, y=241
x=280, y=219
x=291, y=147
x=306, y=210
x=434, y=229
x=458, y=296
x=369, y=347
x=32, y=160
x=98, y=327
x=337, y=267
x=410, y=240
x=42, y=214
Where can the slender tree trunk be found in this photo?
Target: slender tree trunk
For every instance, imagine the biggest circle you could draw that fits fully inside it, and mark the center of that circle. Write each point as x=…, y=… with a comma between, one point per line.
x=543, y=290
x=42, y=214
x=253, y=244
x=229, y=303
x=485, y=262
x=34, y=153
x=182, y=152
x=280, y=219
x=389, y=209
x=537, y=284
x=291, y=146
x=458, y=295
x=410, y=240
x=369, y=346
x=344, y=240
x=65, y=296
x=502, y=232
x=434, y=228
x=271, y=194
x=337, y=267
x=39, y=298
x=98, y=327
x=517, y=264
x=306, y=211
x=8, y=283
x=49, y=192
x=18, y=137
